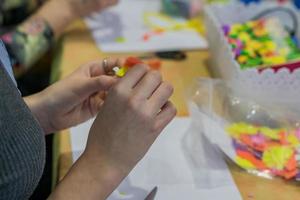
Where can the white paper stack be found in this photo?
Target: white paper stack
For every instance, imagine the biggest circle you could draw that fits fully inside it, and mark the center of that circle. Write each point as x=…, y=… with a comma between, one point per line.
x=181, y=163
x=126, y=22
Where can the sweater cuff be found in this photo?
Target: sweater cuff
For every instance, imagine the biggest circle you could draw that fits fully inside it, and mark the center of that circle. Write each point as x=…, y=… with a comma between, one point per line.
x=27, y=43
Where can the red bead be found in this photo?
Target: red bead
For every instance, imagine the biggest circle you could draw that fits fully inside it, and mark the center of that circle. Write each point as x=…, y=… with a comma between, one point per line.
x=132, y=61
x=154, y=64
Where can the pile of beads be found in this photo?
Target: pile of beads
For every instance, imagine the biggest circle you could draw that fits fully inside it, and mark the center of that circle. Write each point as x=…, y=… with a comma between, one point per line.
x=132, y=61
x=276, y=151
x=261, y=43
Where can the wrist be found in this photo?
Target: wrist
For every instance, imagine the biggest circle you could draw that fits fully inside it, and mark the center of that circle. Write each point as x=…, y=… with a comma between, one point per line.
x=58, y=14
x=110, y=175
x=89, y=178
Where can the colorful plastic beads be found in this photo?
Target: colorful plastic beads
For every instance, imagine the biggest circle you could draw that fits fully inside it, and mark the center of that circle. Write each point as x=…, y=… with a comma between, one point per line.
x=261, y=43
x=276, y=150
x=132, y=61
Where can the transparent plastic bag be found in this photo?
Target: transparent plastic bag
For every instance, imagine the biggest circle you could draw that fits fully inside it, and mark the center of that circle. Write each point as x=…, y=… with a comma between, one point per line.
x=262, y=138
x=205, y=161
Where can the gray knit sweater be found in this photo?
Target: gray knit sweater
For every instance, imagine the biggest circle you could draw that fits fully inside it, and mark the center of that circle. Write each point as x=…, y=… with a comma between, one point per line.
x=22, y=146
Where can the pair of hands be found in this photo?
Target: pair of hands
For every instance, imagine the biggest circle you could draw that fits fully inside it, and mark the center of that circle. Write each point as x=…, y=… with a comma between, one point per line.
x=81, y=95
x=131, y=112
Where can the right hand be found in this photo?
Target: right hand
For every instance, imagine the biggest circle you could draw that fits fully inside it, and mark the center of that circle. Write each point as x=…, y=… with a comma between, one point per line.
x=135, y=112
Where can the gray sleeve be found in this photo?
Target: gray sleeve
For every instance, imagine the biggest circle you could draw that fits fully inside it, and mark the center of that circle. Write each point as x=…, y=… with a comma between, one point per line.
x=22, y=152
x=6, y=62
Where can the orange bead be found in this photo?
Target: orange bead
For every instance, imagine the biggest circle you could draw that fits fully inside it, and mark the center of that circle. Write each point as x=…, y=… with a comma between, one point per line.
x=272, y=144
x=132, y=61
x=248, y=156
x=146, y=37
x=246, y=140
x=290, y=174
x=154, y=64
x=291, y=164
x=159, y=31
x=282, y=138
x=260, y=147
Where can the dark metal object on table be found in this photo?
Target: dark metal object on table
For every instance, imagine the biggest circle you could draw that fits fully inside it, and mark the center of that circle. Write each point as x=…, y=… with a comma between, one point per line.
x=168, y=55
x=152, y=194
x=173, y=55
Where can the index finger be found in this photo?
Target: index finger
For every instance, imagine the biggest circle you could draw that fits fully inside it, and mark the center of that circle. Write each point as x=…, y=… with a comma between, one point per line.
x=133, y=76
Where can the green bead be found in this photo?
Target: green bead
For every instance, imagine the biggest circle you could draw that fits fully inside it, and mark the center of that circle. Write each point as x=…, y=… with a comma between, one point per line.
x=290, y=43
x=234, y=36
x=293, y=56
x=264, y=38
x=245, y=53
x=254, y=62
x=252, y=34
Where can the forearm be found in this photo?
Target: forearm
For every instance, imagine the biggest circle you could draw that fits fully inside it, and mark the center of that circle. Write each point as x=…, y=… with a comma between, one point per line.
x=58, y=15
x=90, y=177
x=33, y=38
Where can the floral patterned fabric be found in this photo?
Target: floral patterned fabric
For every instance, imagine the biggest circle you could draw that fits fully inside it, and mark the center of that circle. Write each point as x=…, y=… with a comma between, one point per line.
x=26, y=42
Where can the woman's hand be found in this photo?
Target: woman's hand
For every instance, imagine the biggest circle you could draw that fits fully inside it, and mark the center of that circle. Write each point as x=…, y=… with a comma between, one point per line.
x=136, y=110
x=85, y=7
x=74, y=99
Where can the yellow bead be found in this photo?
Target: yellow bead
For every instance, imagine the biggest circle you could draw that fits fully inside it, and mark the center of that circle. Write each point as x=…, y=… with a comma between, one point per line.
x=275, y=60
x=293, y=140
x=271, y=133
x=121, y=72
x=271, y=46
x=276, y=157
x=263, y=51
x=245, y=37
x=250, y=51
x=243, y=163
x=260, y=32
x=256, y=45
x=235, y=130
x=242, y=59
x=267, y=60
x=235, y=28
x=278, y=59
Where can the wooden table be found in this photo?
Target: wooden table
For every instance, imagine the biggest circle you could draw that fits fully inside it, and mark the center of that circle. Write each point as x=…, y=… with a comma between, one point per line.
x=77, y=47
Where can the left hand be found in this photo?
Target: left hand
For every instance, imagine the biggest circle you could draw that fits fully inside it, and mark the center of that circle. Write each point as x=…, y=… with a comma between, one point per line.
x=74, y=99
x=82, y=8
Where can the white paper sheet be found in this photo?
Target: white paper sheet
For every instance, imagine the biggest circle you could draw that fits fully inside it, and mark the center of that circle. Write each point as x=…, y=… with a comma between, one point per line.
x=180, y=165
x=126, y=20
